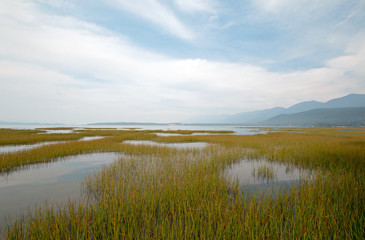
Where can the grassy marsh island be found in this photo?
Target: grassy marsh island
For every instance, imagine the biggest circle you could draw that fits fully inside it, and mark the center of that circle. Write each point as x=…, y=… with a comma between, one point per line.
x=161, y=192
x=264, y=171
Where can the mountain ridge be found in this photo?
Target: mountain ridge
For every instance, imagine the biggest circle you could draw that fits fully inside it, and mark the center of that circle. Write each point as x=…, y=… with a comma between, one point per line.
x=321, y=117
x=259, y=116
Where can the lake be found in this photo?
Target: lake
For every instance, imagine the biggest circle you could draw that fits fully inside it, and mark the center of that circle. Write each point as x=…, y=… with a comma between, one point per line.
x=238, y=129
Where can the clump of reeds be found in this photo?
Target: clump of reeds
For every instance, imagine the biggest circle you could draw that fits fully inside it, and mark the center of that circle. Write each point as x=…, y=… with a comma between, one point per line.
x=264, y=171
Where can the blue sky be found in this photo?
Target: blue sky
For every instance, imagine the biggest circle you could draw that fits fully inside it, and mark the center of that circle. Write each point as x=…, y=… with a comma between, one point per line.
x=169, y=60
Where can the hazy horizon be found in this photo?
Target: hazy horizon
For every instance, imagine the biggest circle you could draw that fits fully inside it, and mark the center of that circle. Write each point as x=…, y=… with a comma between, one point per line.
x=167, y=61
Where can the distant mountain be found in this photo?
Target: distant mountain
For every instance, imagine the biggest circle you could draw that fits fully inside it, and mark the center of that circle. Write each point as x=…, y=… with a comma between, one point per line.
x=305, y=106
x=321, y=117
x=245, y=117
x=351, y=100
x=256, y=117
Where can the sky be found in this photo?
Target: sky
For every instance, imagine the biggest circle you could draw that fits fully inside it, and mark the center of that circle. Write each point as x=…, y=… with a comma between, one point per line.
x=85, y=61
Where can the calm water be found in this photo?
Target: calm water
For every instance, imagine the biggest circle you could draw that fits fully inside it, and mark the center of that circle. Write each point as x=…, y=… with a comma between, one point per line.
x=173, y=145
x=249, y=173
x=169, y=134
x=236, y=128
x=91, y=138
x=57, y=131
x=15, y=148
x=56, y=182
x=193, y=134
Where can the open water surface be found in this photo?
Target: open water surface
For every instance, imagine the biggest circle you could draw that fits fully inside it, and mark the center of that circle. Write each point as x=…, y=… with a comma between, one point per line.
x=238, y=129
x=173, y=145
x=248, y=174
x=15, y=148
x=56, y=182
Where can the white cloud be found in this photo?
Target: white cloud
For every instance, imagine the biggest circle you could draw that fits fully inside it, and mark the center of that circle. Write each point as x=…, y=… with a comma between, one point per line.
x=57, y=3
x=61, y=69
x=196, y=5
x=353, y=63
x=311, y=13
x=271, y=5
x=301, y=7
x=154, y=11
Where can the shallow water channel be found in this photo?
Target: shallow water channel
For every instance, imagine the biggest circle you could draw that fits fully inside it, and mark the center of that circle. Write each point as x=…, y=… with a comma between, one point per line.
x=260, y=173
x=15, y=148
x=56, y=181
x=60, y=131
x=173, y=145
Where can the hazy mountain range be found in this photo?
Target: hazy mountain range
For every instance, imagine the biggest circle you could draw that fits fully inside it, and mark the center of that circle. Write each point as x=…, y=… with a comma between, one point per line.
x=345, y=111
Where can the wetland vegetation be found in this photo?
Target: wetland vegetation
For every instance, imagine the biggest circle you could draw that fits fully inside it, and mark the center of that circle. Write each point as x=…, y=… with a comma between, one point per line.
x=162, y=192
x=264, y=171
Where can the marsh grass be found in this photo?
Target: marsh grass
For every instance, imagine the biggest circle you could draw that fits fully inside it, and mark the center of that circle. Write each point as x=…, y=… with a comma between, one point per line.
x=165, y=193
x=18, y=137
x=264, y=171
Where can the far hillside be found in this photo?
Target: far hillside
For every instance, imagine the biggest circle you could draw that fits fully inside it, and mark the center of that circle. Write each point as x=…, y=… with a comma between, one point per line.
x=321, y=118
x=279, y=115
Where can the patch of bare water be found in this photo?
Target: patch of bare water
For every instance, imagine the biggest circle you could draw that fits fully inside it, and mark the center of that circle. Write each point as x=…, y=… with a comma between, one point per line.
x=61, y=131
x=170, y=134
x=261, y=173
x=15, y=148
x=173, y=145
x=54, y=182
x=91, y=138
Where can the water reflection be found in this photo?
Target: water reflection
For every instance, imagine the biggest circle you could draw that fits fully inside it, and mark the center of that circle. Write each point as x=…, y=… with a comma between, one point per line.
x=170, y=134
x=173, y=145
x=15, y=148
x=263, y=172
x=192, y=134
x=60, y=131
x=56, y=182
x=91, y=138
